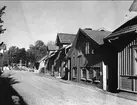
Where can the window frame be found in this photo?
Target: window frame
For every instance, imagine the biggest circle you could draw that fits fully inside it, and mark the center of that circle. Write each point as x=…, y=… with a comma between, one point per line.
x=74, y=72
x=89, y=70
x=83, y=75
x=87, y=48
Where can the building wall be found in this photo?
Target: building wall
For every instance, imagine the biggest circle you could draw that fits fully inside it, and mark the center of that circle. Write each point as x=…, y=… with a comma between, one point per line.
x=73, y=63
x=127, y=68
x=120, y=63
x=88, y=61
x=112, y=68
x=41, y=65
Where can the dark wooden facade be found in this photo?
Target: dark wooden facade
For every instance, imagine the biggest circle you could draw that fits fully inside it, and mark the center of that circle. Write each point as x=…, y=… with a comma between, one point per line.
x=86, y=57
x=61, y=62
x=127, y=67
x=63, y=40
x=50, y=62
x=124, y=39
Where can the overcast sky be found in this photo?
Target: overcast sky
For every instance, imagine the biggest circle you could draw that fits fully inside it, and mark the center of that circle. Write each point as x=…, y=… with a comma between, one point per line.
x=28, y=21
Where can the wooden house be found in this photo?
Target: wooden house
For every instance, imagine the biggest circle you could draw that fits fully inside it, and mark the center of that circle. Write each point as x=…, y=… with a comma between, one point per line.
x=64, y=39
x=50, y=62
x=86, y=58
x=44, y=62
x=51, y=48
x=61, y=62
x=41, y=64
x=123, y=61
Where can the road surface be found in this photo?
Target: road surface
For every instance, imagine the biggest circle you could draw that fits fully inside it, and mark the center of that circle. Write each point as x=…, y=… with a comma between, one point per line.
x=40, y=90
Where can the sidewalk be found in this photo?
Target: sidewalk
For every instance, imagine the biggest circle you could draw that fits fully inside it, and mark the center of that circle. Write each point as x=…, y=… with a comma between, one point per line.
x=127, y=95
x=122, y=94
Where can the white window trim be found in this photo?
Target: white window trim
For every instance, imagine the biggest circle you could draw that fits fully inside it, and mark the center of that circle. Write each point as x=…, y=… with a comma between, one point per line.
x=87, y=48
x=83, y=78
x=89, y=79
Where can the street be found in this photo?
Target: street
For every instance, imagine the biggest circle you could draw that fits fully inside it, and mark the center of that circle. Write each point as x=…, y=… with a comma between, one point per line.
x=40, y=90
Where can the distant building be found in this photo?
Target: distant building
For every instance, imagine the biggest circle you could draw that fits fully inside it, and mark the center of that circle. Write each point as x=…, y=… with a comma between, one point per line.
x=64, y=39
x=42, y=63
x=51, y=48
x=50, y=62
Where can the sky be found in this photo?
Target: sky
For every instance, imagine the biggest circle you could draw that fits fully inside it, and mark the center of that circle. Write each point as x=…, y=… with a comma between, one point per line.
x=29, y=21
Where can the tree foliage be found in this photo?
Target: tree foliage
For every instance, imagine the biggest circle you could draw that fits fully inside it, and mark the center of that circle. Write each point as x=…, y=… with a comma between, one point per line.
x=37, y=51
x=1, y=31
x=1, y=21
x=12, y=54
x=15, y=54
x=32, y=55
x=51, y=43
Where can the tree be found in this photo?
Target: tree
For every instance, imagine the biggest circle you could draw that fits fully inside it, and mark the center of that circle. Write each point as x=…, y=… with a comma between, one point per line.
x=21, y=55
x=13, y=54
x=37, y=51
x=1, y=21
x=6, y=58
x=51, y=43
x=1, y=31
x=39, y=43
x=32, y=55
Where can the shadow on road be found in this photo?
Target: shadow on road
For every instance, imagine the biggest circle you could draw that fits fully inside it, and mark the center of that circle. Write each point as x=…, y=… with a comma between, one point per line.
x=8, y=95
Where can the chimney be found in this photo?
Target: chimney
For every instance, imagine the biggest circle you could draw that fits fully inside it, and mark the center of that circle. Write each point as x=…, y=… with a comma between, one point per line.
x=88, y=28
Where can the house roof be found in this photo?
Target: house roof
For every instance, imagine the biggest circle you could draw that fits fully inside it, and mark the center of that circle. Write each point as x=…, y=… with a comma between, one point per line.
x=96, y=35
x=129, y=26
x=52, y=47
x=69, y=46
x=65, y=38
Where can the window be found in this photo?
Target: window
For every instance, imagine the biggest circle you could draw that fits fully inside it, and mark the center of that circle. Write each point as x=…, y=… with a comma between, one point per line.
x=89, y=73
x=79, y=51
x=96, y=74
x=74, y=72
x=135, y=61
x=83, y=73
x=87, y=48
